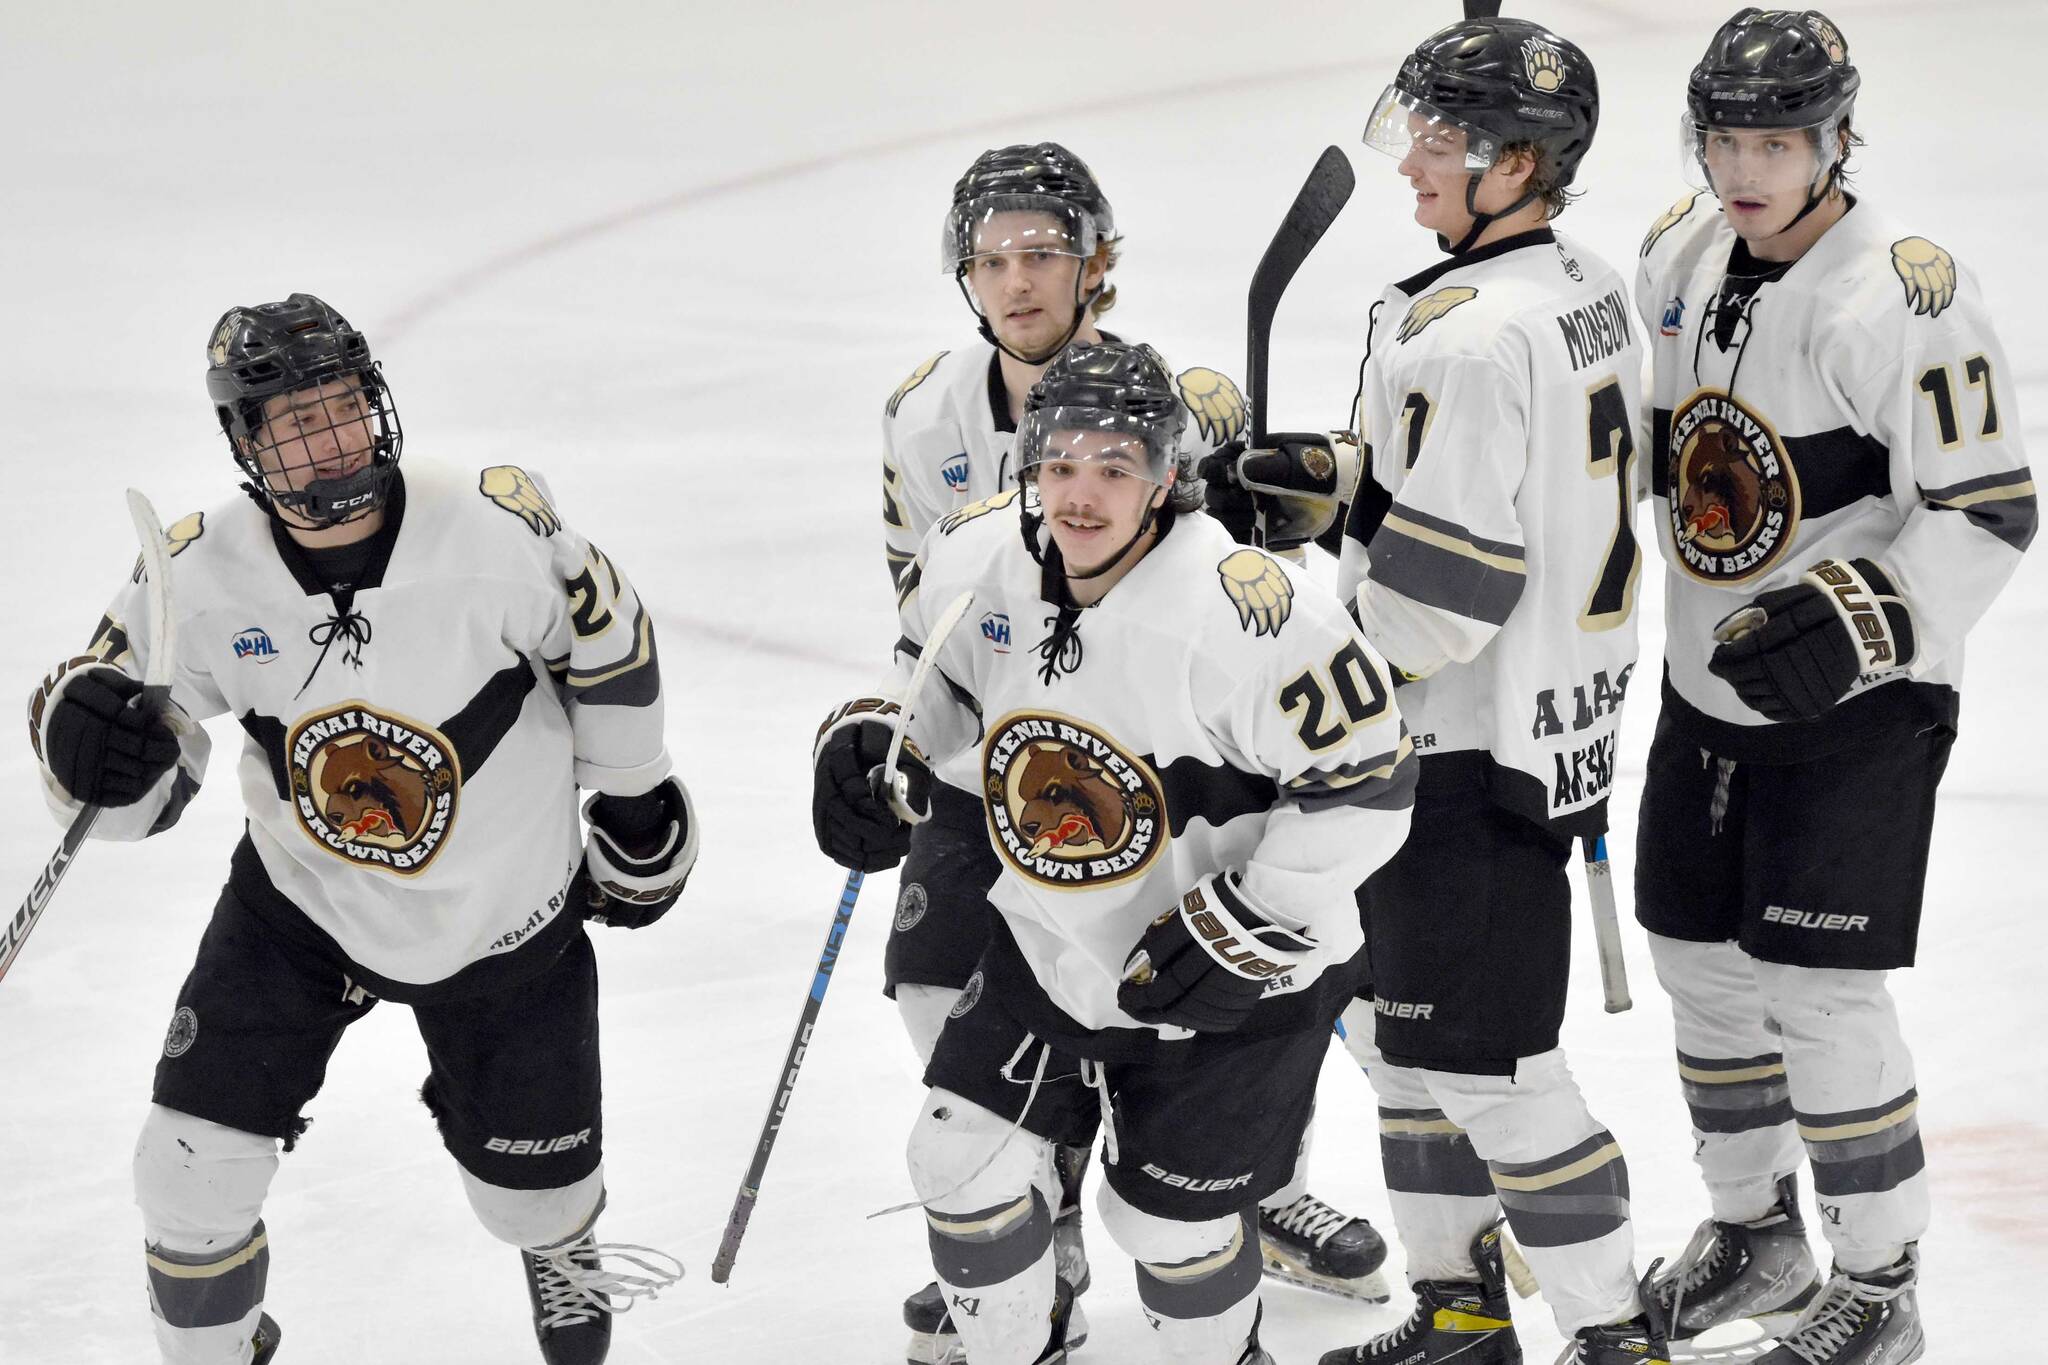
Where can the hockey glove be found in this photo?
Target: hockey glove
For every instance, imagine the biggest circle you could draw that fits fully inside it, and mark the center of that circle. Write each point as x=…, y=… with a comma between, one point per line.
x=1281, y=497
x=855, y=823
x=639, y=854
x=1204, y=964
x=101, y=749
x=1795, y=652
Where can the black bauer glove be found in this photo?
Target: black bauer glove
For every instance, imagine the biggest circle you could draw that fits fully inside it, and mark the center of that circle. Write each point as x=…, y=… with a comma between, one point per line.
x=855, y=825
x=1204, y=964
x=639, y=855
x=102, y=750
x=1794, y=652
x=1279, y=497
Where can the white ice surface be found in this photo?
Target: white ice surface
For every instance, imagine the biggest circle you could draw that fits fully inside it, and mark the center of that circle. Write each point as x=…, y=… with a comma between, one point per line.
x=675, y=256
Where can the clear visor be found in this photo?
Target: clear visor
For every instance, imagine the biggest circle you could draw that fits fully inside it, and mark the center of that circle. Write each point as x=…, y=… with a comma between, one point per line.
x=1011, y=224
x=1731, y=161
x=1401, y=124
x=1090, y=436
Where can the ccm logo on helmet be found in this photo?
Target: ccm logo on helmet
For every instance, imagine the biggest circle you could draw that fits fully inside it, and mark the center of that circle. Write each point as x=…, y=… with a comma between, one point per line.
x=537, y=1146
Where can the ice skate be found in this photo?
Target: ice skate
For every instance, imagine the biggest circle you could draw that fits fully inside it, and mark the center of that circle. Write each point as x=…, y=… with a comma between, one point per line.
x=1760, y=1273
x=1866, y=1319
x=1639, y=1341
x=1313, y=1245
x=933, y=1340
x=1454, y=1322
x=265, y=1339
x=574, y=1294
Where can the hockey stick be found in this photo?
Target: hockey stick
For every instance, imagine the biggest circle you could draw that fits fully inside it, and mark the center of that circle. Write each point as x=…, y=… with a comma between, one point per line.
x=156, y=686
x=1482, y=9
x=1321, y=198
x=1606, y=925
x=893, y=783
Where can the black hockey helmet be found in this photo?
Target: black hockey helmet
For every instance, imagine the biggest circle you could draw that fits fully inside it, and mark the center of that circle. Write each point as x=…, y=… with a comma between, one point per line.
x=1055, y=205
x=256, y=353
x=1113, y=388
x=1502, y=83
x=1039, y=177
x=1773, y=69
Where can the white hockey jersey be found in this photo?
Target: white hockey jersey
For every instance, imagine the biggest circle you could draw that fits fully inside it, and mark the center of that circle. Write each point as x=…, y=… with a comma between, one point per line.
x=1856, y=405
x=1214, y=710
x=410, y=762
x=946, y=436
x=1493, y=553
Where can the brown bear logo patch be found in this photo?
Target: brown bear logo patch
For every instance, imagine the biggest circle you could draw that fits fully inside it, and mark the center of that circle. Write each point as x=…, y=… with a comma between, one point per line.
x=1734, y=496
x=376, y=789
x=1067, y=806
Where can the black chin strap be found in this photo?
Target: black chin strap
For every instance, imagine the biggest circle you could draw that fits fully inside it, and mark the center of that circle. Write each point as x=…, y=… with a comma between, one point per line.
x=1081, y=306
x=1480, y=221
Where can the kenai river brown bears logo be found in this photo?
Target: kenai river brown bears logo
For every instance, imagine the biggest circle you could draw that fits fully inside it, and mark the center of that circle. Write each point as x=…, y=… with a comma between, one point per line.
x=1068, y=808
x=373, y=787
x=1734, y=495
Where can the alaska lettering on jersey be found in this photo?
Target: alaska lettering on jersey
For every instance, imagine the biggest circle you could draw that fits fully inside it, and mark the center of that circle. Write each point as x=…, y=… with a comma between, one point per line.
x=1597, y=330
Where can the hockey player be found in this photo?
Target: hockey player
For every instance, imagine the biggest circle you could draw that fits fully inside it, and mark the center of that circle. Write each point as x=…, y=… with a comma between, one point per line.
x=1030, y=240
x=1839, y=481
x=1182, y=776
x=1493, y=564
x=425, y=666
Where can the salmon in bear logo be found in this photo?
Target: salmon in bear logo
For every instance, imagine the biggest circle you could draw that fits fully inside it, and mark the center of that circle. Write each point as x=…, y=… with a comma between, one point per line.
x=372, y=787
x=1068, y=807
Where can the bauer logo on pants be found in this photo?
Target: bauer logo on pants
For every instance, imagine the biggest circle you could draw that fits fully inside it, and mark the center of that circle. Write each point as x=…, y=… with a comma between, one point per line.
x=1068, y=808
x=374, y=788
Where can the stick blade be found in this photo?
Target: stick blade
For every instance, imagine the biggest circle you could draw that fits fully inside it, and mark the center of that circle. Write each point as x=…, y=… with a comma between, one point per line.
x=156, y=568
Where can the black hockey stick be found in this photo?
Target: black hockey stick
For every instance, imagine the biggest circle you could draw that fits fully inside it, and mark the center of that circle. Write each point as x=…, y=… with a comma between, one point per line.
x=1482, y=9
x=893, y=785
x=156, y=687
x=1322, y=196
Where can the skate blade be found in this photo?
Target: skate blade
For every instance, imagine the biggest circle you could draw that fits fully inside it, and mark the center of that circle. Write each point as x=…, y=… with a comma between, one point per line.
x=1749, y=1339
x=944, y=1348
x=1365, y=1289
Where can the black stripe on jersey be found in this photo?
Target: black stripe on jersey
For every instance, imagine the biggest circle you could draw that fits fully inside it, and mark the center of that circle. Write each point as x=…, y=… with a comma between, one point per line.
x=183, y=789
x=1835, y=469
x=476, y=729
x=2002, y=505
x=268, y=732
x=1382, y=782
x=898, y=562
x=1215, y=792
x=1451, y=570
x=907, y=581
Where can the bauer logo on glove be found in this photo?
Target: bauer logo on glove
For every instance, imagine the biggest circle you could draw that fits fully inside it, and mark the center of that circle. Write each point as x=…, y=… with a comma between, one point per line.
x=1205, y=963
x=1794, y=652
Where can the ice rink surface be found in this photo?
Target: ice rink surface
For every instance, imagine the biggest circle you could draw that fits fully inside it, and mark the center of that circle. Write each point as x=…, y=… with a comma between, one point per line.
x=675, y=256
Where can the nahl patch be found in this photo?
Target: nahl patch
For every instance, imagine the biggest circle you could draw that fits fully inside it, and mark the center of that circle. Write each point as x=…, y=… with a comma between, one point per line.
x=537, y=1146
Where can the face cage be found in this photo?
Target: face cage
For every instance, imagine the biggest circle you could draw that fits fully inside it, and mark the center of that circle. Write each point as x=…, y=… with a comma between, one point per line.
x=1071, y=233
x=1391, y=130
x=326, y=502
x=1039, y=441
x=1692, y=146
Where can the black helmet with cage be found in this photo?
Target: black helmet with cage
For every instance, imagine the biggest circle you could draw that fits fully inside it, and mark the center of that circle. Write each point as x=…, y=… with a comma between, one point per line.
x=1773, y=70
x=1501, y=84
x=1036, y=197
x=301, y=345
